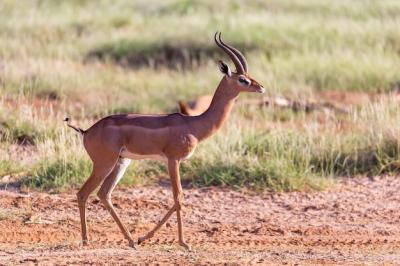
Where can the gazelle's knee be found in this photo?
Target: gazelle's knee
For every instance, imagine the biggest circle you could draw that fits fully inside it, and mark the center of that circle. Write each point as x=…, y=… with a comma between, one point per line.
x=103, y=195
x=82, y=198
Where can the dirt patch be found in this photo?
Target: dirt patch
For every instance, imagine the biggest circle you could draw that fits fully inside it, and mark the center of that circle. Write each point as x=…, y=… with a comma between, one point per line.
x=356, y=222
x=349, y=98
x=135, y=55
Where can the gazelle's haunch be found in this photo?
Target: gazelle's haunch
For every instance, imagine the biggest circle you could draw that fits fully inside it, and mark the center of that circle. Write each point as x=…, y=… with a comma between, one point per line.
x=115, y=140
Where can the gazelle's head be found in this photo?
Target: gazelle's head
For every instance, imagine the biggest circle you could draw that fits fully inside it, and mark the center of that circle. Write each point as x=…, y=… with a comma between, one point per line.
x=240, y=80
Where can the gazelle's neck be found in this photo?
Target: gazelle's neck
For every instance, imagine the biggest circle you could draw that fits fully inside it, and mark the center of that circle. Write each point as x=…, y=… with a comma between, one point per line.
x=221, y=105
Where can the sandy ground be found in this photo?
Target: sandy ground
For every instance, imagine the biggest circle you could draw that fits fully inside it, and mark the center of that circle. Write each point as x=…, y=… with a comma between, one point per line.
x=357, y=222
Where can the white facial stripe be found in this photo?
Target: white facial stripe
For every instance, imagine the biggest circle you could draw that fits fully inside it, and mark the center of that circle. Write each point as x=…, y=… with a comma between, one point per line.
x=244, y=81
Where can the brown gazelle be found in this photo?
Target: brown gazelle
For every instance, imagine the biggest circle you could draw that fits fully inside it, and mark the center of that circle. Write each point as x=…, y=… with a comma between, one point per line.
x=115, y=140
x=195, y=107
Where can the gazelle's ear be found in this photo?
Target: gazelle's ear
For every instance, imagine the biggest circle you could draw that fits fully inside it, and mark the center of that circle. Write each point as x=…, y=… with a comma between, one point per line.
x=224, y=68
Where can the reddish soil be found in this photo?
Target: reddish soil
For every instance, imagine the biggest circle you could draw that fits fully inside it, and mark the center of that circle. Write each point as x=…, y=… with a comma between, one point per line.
x=356, y=222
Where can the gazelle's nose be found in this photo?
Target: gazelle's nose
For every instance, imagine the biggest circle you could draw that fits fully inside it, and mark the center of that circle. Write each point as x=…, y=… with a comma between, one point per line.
x=261, y=89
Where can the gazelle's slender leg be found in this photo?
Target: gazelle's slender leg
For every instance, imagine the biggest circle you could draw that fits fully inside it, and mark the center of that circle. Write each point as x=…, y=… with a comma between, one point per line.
x=160, y=223
x=107, y=188
x=99, y=172
x=158, y=226
x=173, y=168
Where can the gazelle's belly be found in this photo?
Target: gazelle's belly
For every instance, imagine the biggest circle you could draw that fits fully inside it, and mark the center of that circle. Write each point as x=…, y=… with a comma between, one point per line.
x=134, y=156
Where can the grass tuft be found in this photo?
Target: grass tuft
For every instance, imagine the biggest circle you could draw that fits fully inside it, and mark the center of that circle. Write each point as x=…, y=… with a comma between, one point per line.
x=59, y=175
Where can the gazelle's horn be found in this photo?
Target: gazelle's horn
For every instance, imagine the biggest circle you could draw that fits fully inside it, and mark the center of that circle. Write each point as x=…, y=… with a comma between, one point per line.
x=230, y=53
x=238, y=54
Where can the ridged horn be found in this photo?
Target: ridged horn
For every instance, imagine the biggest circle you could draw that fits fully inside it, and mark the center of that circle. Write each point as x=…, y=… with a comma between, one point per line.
x=230, y=53
x=238, y=54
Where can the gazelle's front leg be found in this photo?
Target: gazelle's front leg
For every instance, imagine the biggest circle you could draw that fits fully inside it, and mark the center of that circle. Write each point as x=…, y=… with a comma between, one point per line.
x=173, y=168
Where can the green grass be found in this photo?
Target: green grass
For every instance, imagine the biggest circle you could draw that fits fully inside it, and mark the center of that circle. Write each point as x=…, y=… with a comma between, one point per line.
x=60, y=174
x=294, y=48
x=8, y=167
x=259, y=162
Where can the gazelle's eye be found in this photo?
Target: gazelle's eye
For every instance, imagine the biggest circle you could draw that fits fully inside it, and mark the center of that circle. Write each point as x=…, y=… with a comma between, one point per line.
x=244, y=81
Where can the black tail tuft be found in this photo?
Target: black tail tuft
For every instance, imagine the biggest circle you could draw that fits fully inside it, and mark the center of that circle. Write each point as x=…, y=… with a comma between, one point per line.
x=77, y=129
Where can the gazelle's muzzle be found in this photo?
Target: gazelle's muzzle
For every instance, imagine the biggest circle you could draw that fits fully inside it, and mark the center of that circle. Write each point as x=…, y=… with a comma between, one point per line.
x=261, y=89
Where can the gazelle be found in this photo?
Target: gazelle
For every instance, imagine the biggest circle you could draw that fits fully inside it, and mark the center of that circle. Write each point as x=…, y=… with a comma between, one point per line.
x=195, y=107
x=114, y=141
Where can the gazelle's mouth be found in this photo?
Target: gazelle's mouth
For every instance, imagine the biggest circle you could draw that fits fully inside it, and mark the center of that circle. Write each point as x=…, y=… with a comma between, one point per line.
x=261, y=90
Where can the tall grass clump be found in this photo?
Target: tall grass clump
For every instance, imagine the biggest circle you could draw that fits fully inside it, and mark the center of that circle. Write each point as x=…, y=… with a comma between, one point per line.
x=62, y=164
x=241, y=157
x=371, y=146
x=8, y=167
x=22, y=123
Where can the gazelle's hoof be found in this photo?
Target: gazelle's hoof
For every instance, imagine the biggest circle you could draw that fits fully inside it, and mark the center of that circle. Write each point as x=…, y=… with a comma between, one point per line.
x=132, y=244
x=186, y=246
x=85, y=242
x=140, y=240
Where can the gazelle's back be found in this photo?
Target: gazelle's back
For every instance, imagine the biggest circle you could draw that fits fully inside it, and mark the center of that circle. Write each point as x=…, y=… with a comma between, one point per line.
x=153, y=121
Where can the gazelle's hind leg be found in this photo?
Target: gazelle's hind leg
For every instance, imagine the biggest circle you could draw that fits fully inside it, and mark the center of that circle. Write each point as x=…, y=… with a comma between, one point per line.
x=100, y=170
x=107, y=188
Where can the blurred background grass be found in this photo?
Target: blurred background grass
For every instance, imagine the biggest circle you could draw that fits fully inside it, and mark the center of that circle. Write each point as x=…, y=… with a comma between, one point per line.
x=87, y=59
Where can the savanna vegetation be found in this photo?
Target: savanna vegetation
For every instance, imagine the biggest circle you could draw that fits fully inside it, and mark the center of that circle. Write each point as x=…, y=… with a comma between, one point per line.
x=88, y=59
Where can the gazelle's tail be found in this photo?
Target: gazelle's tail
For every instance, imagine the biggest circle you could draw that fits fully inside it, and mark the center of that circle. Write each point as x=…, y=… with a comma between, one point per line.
x=79, y=130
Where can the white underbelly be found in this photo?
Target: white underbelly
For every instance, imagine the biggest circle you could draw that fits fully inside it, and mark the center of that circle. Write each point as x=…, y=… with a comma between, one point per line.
x=134, y=156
